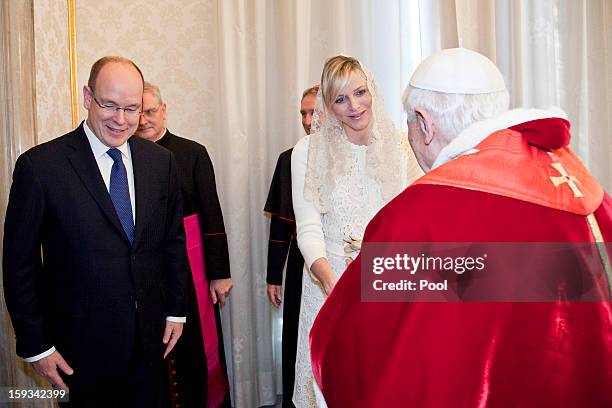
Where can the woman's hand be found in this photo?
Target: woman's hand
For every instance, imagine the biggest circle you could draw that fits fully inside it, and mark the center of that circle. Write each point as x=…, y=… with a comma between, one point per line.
x=323, y=272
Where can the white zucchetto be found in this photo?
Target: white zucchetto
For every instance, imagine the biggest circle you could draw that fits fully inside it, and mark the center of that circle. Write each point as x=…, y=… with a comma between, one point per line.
x=458, y=71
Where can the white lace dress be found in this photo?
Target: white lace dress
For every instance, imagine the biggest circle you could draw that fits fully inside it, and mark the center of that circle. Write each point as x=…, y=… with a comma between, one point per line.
x=354, y=201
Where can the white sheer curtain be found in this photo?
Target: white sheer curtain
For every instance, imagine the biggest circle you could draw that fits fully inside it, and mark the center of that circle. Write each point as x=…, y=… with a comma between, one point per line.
x=263, y=53
x=551, y=52
x=270, y=52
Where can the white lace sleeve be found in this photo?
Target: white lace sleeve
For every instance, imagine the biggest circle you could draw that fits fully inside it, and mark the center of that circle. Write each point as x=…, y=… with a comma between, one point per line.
x=308, y=219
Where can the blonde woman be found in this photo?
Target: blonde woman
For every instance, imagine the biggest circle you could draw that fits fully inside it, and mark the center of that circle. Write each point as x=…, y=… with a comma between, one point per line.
x=353, y=162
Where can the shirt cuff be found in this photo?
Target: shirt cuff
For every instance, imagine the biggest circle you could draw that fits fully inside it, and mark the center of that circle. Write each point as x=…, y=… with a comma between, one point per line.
x=40, y=356
x=175, y=319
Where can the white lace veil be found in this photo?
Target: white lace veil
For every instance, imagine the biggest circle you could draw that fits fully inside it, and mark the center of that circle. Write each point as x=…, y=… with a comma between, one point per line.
x=330, y=153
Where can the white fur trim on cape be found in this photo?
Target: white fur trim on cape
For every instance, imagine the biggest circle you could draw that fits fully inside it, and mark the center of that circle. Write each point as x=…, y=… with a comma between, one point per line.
x=477, y=132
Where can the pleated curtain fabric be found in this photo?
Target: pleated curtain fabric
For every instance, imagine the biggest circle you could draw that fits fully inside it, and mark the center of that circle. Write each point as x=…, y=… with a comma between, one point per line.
x=235, y=84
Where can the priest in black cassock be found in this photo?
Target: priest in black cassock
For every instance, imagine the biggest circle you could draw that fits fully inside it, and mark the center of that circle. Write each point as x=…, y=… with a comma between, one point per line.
x=197, y=369
x=283, y=242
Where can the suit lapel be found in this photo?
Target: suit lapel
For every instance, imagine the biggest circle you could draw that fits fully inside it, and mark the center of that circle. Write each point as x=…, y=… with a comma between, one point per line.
x=142, y=185
x=84, y=163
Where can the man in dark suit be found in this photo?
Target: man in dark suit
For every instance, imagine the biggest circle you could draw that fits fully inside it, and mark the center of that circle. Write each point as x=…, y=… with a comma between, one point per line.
x=92, y=309
x=198, y=376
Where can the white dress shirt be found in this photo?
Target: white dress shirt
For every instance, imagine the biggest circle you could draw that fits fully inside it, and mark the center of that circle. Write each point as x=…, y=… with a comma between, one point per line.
x=105, y=163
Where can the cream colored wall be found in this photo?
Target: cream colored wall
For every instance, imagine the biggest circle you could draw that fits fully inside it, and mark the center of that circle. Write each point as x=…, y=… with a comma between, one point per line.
x=173, y=43
x=53, y=117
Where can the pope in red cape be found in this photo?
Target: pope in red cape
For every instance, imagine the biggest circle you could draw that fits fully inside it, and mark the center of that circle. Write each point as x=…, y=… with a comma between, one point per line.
x=493, y=175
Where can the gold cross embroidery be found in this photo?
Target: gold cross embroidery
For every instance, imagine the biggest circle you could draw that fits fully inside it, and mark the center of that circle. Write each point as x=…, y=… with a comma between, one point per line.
x=565, y=178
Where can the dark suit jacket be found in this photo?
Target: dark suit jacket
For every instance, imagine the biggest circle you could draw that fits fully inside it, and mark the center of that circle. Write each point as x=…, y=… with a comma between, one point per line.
x=197, y=178
x=89, y=290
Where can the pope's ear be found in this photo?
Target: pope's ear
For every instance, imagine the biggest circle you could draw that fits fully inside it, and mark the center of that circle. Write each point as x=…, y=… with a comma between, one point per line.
x=425, y=124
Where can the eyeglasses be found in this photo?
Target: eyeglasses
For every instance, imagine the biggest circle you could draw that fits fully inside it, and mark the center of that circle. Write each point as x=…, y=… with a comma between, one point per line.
x=149, y=113
x=111, y=108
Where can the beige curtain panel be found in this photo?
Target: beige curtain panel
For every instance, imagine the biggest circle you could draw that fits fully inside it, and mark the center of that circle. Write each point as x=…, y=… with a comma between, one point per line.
x=232, y=73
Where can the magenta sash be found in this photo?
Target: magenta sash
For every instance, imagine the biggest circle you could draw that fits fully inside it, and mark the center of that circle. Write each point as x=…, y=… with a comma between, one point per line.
x=217, y=381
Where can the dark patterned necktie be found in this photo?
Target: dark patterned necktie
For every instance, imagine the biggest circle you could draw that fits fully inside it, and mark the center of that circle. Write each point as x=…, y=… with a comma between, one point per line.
x=120, y=194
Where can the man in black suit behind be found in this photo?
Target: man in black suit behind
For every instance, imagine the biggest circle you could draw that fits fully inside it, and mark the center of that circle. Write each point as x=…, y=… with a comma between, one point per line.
x=198, y=374
x=92, y=309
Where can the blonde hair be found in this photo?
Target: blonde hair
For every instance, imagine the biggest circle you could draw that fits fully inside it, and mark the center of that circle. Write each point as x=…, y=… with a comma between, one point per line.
x=336, y=75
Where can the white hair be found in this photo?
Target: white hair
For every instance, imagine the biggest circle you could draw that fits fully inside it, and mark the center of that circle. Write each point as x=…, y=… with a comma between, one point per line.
x=452, y=113
x=153, y=90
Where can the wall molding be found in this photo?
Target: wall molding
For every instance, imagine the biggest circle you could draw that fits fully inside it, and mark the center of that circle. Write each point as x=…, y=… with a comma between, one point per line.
x=72, y=56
